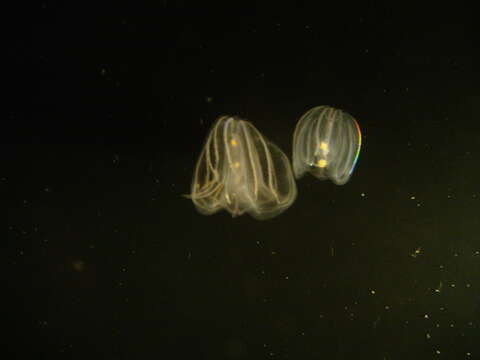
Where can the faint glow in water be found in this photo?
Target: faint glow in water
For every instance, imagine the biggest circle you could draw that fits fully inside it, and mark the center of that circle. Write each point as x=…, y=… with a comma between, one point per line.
x=78, y=265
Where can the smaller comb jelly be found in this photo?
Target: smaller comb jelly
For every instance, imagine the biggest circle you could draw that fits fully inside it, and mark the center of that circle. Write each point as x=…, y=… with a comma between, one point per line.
x=326, y=143
x=240, y=171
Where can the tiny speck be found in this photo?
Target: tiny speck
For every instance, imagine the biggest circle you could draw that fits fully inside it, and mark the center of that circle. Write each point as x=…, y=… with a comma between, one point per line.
x=437, y=352
x=209, y=99
x=372, y=292
x=427, y=336
x=425, y=316
x=412, y=197
x=363, y=195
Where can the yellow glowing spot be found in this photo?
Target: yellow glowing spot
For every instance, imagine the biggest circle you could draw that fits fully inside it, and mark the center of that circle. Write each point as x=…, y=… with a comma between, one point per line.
x=324, y=146
x=236, y=165
x=416, y=252
x=439, y=287
x=233, y=142
x=322, y=163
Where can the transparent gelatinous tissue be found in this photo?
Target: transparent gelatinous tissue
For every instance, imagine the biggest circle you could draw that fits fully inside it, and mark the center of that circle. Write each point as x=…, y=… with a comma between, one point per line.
x=326, y=143
x=240, y=171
